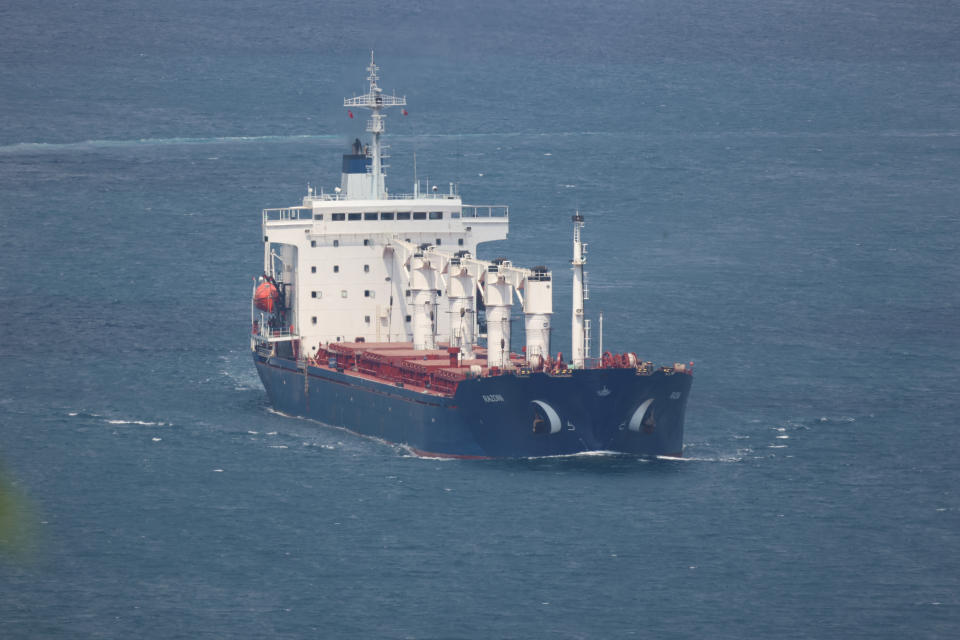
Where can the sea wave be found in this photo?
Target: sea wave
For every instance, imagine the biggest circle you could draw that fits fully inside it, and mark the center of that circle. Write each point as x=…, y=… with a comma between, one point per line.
x=99, y=144
x=91, y=145
x=701, y=459
x=142, y=423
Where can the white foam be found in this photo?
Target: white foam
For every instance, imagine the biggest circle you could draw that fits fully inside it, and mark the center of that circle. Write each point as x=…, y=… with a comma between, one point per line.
x=579, y=454
x=699, y=459
x=142, y=423
x=87, y=145
x=157, y=439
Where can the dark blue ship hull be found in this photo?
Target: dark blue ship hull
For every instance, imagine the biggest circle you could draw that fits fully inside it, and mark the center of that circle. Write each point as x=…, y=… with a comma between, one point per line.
x=507, y=416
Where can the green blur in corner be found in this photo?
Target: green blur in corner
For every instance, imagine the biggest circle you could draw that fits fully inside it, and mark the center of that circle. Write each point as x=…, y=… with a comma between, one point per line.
x=17, y=523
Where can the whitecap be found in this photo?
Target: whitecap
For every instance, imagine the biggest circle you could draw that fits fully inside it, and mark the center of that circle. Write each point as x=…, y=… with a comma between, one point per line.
x=699, y=459
x=142, y=423
x=88, y=145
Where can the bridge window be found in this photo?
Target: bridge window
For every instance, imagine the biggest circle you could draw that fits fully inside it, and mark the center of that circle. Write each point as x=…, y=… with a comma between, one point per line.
x=336, y=268
x=338, y=217
x=436, y=215
x=386, y=215
x=366, y=242
x=370, y=215
x=318, y=216
x=403, y=215
x=353, y=216
x=419, y=215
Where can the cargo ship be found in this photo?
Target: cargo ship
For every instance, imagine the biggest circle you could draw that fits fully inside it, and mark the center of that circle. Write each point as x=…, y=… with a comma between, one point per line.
x=374, y=313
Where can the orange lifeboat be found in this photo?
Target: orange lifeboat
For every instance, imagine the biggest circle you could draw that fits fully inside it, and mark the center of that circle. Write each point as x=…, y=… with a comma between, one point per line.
x=266, y=297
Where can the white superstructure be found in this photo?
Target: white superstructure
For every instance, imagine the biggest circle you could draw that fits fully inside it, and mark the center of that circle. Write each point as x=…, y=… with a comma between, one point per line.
x=362, y=263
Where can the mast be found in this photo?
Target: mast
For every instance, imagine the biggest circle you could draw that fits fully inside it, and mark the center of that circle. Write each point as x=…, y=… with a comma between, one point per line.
x=578, y=330
x=376, y=101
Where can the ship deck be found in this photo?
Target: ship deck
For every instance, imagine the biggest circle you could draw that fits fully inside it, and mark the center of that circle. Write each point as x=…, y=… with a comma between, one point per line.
x=438, y=372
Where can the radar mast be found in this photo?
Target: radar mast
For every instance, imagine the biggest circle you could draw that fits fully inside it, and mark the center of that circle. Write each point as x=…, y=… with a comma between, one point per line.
x=376, y=101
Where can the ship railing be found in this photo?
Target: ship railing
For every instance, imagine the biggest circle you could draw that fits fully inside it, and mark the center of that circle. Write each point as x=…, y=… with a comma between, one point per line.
x=422, y=196
x=592, y=363
x=269, y=334
x=484, y=211
x=339, y=197
x=287, y=214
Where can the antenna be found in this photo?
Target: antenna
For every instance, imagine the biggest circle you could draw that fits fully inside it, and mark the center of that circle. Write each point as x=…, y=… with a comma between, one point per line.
x=376, y=101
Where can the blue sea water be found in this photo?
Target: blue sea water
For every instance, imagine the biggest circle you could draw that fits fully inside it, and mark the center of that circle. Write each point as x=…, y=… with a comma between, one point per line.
x=771, y=190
